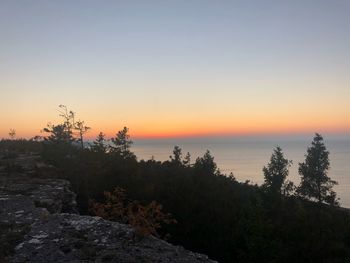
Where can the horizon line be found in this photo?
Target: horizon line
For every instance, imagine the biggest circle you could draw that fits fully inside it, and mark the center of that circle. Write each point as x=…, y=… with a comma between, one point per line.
x=214, y=135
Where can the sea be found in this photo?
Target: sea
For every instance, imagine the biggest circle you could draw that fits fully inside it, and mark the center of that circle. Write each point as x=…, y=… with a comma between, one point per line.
x=246, y=156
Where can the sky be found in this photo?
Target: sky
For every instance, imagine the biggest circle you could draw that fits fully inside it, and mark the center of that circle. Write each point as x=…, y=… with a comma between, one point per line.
x=176, y=68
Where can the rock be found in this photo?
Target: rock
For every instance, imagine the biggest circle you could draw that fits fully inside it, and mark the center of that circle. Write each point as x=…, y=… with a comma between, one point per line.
x=75, y=238
x=39, y=223
x=53, y=194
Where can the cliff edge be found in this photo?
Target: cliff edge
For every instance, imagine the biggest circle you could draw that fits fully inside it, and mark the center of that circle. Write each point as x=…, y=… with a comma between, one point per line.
x=39, y=223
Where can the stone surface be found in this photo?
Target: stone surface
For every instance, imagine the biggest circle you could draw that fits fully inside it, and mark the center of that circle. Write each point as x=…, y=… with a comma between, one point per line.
x=53, y=194
x=39, y=223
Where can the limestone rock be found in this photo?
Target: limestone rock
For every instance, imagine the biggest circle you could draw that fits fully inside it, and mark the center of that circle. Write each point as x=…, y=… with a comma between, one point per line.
x=39, y=224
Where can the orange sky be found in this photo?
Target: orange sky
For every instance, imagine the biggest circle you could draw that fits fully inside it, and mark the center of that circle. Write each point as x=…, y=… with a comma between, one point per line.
x=176, y=68
x=28, y=124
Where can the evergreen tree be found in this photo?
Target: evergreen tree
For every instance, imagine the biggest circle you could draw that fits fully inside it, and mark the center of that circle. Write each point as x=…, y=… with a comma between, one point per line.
x=187, y=160
x=276, y=172
x=177, y=155
x=206, y=164
x=122, y=143
x=315, y=183
x=99, y=144
x=58, y=134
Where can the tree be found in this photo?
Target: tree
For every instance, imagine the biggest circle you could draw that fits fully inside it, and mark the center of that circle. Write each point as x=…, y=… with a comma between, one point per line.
x=65, y=131
x=206, y=164
x=82, y=129
x=176, y=157
x=58, y=134
x=12, y=133
x=276, y=172
x=315, y=183
x=187, y=160
x=61, y=133
x=122, y=144
x=68, y=118
x=59, y=144
x=70, y=124
x=99, y=145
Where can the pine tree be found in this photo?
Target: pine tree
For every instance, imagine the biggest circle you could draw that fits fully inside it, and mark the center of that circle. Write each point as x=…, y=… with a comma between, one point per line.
x=187, y=160
x=315, y=183
x=100, y=143
x=276, y=172
x=122, y=143
x=206, y=164
x=177, y=156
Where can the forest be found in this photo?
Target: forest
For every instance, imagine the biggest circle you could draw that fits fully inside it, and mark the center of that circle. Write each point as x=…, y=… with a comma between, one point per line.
x=191, y=203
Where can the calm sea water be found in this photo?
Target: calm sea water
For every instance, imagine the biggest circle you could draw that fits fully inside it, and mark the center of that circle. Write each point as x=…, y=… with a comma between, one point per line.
x=245, y=157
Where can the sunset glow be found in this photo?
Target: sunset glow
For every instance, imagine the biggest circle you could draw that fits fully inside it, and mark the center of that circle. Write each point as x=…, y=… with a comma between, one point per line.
x=277, y=68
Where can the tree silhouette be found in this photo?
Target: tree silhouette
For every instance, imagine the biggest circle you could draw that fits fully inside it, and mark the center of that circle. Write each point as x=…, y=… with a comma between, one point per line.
x=82, y=129
x=68, y=118
x=122, y=143
x=65, y=131
x=100, y=143
x=231, y=221
x=187, y=160
x=315, y=183
x=206, y=164
x=12, y=133
x=176, y=157
x=276, y=172
x=58, y=134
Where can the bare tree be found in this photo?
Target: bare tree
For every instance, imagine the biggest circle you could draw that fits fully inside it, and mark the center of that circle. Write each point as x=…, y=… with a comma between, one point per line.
x=12, y=133
x=68, y=118
x=65, y=131
x=82, y=129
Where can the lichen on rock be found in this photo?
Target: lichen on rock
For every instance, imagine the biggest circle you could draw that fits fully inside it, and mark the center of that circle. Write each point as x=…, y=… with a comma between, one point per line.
x=39, y=223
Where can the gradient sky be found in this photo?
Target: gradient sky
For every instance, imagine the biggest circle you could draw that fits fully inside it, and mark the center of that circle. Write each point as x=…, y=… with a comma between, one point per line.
x=170, y=68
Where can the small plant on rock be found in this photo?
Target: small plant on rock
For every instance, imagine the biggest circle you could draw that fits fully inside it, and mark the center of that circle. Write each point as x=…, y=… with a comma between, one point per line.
x=145, y=219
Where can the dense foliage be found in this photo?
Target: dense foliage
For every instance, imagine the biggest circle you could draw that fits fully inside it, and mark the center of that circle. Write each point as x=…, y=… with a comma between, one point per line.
x=12, y=148
x=216, y=215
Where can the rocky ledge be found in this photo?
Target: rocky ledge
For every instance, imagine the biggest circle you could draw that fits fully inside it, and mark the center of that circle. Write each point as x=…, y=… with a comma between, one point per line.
x=39, y=223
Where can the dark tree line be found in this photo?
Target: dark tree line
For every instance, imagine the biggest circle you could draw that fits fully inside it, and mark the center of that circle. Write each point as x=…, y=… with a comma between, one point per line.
x=315, y=182
x=216, y=215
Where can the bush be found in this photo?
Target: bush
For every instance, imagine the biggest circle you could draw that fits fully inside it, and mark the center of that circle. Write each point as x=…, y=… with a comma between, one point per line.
x=146, y=220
